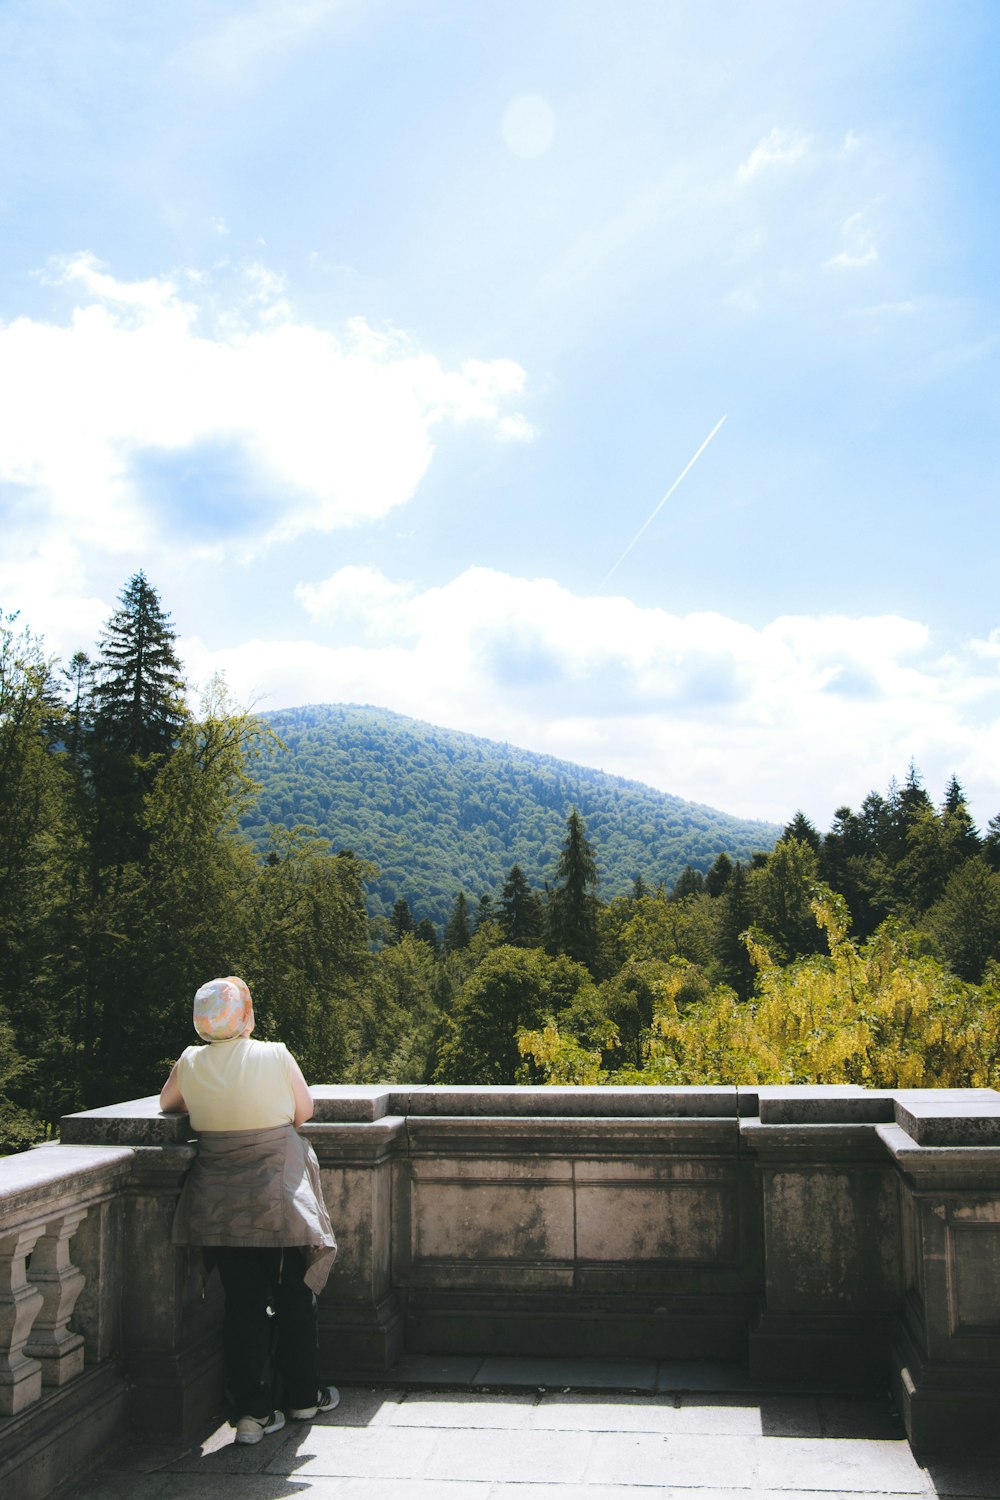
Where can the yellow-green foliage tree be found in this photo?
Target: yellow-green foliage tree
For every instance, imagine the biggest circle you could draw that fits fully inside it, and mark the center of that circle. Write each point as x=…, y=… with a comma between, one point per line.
x=881, y=1014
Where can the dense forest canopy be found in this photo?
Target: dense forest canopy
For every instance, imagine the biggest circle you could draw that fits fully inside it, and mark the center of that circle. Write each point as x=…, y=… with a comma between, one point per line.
x=136, y=862
x=437, y=811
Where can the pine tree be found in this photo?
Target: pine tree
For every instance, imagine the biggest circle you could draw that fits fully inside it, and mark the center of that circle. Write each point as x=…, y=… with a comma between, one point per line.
x=401, y=921
x=961, y=839
x=574, y=902
x=735, y=914
x=137, y=714
x=520, y=910
x=718, y=876
x=139, y=693
x=800, y=828
x=457, y=933
x=690, y=882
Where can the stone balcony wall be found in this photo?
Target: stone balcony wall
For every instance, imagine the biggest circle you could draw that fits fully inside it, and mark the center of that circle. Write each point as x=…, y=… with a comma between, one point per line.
x=824, y=1236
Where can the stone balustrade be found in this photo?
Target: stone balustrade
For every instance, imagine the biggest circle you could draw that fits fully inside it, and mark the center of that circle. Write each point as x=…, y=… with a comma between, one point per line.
x=821, y=1235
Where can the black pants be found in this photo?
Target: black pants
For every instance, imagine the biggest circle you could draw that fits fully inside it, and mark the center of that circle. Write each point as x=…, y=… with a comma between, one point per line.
x=255, y=1279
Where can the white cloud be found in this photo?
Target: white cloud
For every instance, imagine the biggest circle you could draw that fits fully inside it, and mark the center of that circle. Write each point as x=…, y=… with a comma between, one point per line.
x=779, y=148
x=335, y=428
x=859, y=248
x=257, y=35
x=805, y=711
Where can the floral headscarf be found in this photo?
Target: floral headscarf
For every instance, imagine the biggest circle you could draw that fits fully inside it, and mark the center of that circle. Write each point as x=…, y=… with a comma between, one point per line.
x=223, y=1009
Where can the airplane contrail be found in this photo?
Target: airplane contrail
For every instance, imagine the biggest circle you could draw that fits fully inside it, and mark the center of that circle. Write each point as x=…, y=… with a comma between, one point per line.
x=656, y=511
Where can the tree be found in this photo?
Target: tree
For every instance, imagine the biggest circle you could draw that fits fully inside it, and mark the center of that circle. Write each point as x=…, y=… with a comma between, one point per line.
x=734, y=914
x=781, y=892
x=690, y=882
x=458, y=933
x=510, y=989
x=137, y=714
x=37, y=852
x=718, y=876
x=189, y=908
x=78, y=679
x=520, y=911
x=800, y=828
x=847, y=861
x=401, y=921
x=961, y=839
x=138, y=694
x=966, y=920
x=401, y=1023
x=659, y=927
x=991, y=843
x=307, y=956
x=573, y=902
x=427, y=933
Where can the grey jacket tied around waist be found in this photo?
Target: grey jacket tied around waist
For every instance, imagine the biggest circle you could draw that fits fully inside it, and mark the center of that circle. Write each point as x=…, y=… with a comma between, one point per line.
x=257, y=1187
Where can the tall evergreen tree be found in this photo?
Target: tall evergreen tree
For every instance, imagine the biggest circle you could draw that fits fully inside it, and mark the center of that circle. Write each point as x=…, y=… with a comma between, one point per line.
x=734, y=915
x=401, y=921
x=139, y=692
x=961, y=838
x=574, y=901
x=991, y=843
x=690, y=882
x=800, y=828
x=718, y=876
x=458, y=932
x=137, y=714
x=520, y=910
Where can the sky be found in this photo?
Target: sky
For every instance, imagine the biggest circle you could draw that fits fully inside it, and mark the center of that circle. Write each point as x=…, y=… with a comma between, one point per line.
x=376, y=332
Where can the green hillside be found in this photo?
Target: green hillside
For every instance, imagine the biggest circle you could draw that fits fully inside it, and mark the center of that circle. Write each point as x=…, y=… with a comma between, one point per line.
x=440, y=812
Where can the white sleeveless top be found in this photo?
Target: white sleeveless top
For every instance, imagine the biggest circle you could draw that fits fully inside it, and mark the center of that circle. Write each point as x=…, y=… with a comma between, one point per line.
x=237, y=1085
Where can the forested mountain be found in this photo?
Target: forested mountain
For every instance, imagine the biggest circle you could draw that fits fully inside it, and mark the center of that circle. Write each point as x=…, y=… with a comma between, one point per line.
x=596, y=932
x=437, y=811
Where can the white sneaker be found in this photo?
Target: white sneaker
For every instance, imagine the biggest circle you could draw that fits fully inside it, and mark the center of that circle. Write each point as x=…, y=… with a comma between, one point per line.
x=252, y=1429
x=326, y=1400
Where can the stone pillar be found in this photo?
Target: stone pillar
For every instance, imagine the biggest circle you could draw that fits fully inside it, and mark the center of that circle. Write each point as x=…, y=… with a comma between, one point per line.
x=20, y=1303
x=830, y=1216
x=171, y=1316
x=360, y=1315
x=60, y=1282
x=945, y=1343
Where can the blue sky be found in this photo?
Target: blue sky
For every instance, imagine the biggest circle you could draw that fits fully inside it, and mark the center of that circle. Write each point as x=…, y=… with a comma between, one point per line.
x=375, y=330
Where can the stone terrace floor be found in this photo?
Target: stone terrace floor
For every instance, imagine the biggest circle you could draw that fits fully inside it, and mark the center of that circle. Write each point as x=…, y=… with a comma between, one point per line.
x=545, y=1429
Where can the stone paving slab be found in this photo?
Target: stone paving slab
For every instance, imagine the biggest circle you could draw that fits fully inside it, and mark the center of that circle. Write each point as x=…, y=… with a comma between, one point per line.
x=459, y=1408
x=849, y=1464
x=554, y=1445
x=603, y=1374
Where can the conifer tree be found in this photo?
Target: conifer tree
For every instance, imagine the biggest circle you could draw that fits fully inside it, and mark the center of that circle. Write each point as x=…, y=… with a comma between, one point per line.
x=520, y=910
x=718, y=876
x=735, y=915
x=960, y=836
x=139, y=693
x=458, y=932
x=574, y=902
x=137, y=714
x=690, y=882
x=800, y=828
x=401, y=921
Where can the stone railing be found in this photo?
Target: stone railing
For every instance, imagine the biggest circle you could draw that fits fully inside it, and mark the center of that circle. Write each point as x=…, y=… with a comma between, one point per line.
x=822, y=1236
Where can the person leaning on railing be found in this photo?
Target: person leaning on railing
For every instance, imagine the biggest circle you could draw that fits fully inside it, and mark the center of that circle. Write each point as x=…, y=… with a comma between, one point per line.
x=253, y=1202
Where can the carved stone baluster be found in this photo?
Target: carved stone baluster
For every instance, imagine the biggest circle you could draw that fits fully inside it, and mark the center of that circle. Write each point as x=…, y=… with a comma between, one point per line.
x=59, y=1351
x=20, y=1376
